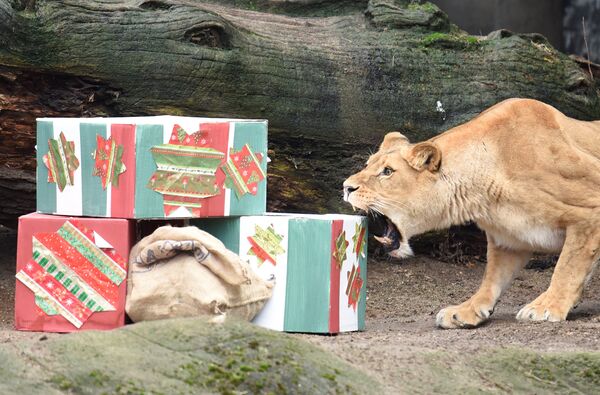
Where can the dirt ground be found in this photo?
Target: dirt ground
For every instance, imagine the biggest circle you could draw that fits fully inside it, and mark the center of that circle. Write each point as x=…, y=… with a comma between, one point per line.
x=405, y=296
x=403, y=299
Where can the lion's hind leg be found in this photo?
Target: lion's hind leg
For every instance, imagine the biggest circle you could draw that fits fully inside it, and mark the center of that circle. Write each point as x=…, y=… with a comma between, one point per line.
x=580, y=254
x=502, y=266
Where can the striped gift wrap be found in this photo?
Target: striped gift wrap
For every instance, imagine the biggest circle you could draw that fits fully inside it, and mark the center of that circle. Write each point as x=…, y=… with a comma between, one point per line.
x=71, y=272
x=151, y=167
x=319, y=263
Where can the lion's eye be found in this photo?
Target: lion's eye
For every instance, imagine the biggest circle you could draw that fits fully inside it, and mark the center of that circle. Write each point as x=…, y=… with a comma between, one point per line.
x=387, y=171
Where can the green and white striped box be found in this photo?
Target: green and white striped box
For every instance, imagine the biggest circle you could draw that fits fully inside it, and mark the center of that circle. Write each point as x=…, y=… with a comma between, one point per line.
x=151, y=167
x=319, y=263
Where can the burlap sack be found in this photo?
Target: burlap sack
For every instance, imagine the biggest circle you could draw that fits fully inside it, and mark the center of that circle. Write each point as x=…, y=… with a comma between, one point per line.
x=182, y=272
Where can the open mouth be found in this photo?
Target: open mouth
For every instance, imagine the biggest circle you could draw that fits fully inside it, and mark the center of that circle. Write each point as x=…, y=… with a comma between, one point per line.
x=385, y=232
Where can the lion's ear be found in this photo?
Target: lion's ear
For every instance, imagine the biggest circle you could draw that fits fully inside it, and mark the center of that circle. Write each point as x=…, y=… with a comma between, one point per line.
x=424, y=156
x=392, y=140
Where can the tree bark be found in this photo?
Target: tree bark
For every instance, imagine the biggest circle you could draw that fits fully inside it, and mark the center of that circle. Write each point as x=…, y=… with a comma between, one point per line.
x=330, y=86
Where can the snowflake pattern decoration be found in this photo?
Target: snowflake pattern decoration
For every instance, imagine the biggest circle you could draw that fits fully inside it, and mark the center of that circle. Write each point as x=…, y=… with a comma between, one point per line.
x=186, y=170
x=339, y=253
x=266, y=245
x=108, y=161
x=355, y=283
x=359, y=241
x=61, y=162
x=243, y=171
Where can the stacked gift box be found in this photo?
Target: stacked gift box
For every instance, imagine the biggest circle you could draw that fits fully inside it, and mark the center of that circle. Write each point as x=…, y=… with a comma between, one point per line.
x=318, y=261
x=71, y=272
x=101, y=181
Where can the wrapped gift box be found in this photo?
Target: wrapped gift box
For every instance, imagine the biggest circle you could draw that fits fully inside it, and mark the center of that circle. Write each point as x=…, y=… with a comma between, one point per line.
x=71, y=272
x=319, y=263
x=151, y=167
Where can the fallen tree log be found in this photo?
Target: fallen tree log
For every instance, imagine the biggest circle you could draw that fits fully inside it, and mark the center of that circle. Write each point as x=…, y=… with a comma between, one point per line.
x=330, y=86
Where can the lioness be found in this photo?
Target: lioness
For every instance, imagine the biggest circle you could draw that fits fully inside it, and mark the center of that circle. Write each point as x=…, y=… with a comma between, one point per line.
x=525, y=173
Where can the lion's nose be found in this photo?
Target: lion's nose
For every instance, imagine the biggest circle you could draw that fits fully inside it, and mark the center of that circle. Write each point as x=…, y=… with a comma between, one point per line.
x=348, y=189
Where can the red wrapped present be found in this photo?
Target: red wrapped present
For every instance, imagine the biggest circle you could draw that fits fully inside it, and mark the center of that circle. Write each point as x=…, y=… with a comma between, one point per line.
x=71, y=272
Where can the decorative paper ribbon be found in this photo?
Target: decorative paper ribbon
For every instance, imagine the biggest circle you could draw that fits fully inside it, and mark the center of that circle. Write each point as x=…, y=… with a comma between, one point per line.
x=71, y=276
x=61, y=162
x=186, y=170
x=340, y=249
x=359, y=240
x=354, y=286
x=109, y=161
x=243, y=171
x=266, y=245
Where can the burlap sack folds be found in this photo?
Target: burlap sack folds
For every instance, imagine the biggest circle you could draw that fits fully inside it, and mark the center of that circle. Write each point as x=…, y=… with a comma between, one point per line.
x=182, y=272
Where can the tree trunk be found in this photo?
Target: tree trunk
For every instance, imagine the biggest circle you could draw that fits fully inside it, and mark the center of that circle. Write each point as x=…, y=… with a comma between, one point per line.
x=330, y=86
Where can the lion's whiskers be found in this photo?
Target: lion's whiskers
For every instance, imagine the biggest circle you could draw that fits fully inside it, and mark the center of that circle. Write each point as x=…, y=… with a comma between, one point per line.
x=374, y=210
x=380, y=207
x=384, y=203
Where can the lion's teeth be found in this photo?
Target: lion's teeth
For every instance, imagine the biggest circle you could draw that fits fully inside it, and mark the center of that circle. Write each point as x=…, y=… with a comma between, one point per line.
x=383, y=240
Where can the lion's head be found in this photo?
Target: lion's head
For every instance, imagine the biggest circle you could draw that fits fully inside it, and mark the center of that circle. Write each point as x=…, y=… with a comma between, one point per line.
x=398, y=186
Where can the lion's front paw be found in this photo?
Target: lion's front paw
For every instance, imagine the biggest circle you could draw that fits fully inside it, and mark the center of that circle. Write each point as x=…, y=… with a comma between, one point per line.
x=543, y=311
x=466, y=315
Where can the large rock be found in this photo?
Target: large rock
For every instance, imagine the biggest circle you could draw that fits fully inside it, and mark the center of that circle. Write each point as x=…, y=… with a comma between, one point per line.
x=183, y=356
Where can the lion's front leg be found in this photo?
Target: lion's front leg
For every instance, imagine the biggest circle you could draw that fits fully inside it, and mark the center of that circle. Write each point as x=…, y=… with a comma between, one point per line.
x=580, y=253
x=502, y=265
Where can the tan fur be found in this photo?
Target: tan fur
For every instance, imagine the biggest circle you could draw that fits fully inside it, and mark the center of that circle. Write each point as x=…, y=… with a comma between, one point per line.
x=524, y=172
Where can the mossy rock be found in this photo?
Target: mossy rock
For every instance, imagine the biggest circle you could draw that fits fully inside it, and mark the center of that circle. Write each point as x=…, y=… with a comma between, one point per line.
x=503, y=371
x=182, y=356
x=545, y=373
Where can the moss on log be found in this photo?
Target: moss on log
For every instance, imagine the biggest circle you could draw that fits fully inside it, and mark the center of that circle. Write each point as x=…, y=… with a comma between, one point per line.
x=330, y=86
